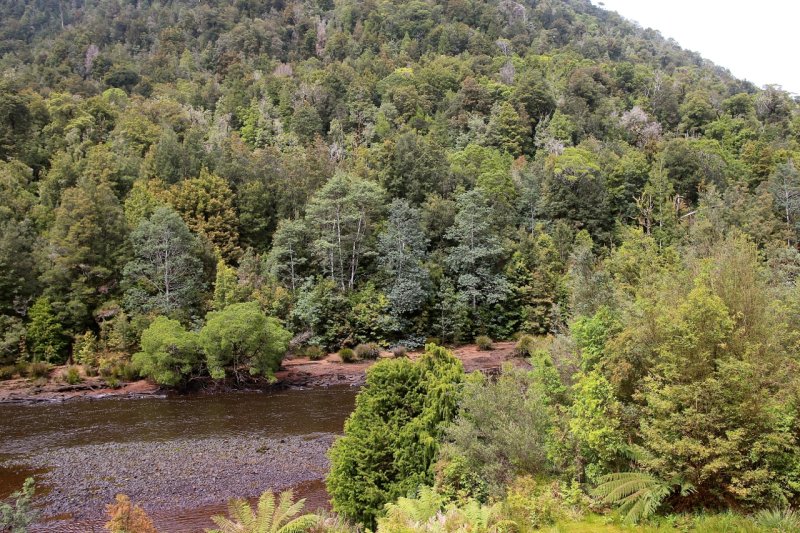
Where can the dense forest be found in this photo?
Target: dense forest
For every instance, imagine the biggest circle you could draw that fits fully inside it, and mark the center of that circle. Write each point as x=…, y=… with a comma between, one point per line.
x=190, y=188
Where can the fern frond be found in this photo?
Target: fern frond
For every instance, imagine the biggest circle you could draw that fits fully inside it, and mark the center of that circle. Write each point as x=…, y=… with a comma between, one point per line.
x=300, y=524
x=637, y=494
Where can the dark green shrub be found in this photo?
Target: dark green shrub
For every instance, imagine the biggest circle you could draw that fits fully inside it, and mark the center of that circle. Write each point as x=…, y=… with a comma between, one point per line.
x=369, y=350
x=347, y=355
x=38, y=370
x=391, y=439
x=400, y=351
x=315, y=352
x=483, y=342
x=7, y=372
x=113, y=383
x=525, y=346
x=73, y=375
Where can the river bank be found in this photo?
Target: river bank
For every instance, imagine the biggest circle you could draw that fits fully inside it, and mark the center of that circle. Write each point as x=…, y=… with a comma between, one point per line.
x=295, y=372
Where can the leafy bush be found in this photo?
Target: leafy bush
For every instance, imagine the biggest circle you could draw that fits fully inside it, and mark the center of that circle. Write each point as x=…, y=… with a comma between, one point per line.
x=271, y=515
x=38, y=370
x=369, y=350
x=483, y=342
x=525, y=346
x=85, y=349
x=7, y=372
x=391, y=439
x=429, y=513
x=537, y=504
x=113, y=382
x=242, y=336
x=457, y=481
x=73, y=375
x=124, y=517
x=503, y=429
x=347, y=355
x=399, y=351
x=169, y=353
x=315, y=352
x=16, y=517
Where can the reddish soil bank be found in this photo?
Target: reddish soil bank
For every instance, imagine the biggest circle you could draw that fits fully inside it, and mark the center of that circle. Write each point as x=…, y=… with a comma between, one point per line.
x=295, y=372
x=301, y=372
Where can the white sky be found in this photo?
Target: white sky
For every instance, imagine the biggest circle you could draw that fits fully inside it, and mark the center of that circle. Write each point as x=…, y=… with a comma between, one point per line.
x=756, y=40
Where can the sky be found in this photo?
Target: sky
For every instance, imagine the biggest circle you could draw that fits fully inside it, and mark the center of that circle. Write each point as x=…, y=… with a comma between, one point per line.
x=756, y=40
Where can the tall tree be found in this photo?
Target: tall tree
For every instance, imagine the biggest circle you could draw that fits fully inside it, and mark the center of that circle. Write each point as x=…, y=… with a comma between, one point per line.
x=477, y=253
x=289, y=254
x=206, y=205
x=45, y=336
x=85, y=253
x=402, y=247
x=165, y=275
x=343, y=214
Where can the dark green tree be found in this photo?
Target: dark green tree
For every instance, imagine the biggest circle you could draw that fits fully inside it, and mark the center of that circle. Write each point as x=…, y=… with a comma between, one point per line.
x=391, y=440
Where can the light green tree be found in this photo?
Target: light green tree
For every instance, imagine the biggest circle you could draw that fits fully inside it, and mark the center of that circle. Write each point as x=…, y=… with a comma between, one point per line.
x=242, y=338
x=169, y=354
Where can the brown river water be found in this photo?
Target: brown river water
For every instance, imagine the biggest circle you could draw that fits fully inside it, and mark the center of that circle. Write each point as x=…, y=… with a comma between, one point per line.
x=181, y=457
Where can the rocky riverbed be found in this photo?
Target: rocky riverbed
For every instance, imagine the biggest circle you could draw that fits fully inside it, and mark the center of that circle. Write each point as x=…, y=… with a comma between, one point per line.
x=176, y=474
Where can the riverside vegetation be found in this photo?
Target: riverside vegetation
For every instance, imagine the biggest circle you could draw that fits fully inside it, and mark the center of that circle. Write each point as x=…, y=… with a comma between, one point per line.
x=188, y=190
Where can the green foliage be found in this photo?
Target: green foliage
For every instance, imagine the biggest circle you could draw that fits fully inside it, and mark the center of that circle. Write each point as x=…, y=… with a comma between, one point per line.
x=483, y=342
x=314, y=352
x=525, y=346
x=73, y=375
x=405, y=170
x=205, y=203
x=427, y=512
x=44, y=333
x=241, y=337
x=499, y=443
x=38, y=369
x=169, y=353
x=638, y=495
x=342, y=214
x=777, y=519
x=271, y=515
x=391, y=439
x=403, y=250
x=16, y=517
x=477, y=249
x=347, y=355
x=165, y=276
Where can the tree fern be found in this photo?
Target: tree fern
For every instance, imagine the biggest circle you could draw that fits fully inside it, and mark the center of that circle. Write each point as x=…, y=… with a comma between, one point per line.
x=270, y=516
x=637, y=494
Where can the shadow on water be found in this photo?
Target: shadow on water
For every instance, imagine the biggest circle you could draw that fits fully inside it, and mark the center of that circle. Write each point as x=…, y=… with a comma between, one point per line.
x=26, y=430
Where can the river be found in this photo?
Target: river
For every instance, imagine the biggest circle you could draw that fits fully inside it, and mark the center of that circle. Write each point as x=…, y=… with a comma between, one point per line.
x=180, y=457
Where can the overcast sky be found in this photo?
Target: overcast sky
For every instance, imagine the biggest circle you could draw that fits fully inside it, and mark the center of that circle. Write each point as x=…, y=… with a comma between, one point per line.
x=756, y=40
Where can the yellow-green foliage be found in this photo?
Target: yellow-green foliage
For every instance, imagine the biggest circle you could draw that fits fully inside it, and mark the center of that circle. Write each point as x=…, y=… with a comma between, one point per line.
x=271, y=515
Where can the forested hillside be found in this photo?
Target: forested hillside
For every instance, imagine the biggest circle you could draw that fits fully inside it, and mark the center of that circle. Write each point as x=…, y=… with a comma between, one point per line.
x=187, y=185
x=366, y=171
